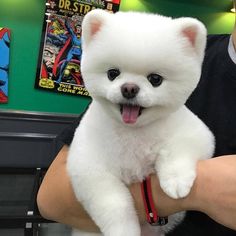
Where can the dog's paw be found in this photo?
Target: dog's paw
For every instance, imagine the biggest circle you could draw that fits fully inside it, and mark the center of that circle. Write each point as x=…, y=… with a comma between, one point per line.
x=178, y=186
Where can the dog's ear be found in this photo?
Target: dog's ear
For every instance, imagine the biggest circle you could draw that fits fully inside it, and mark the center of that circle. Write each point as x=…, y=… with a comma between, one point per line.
x=92, y=24
x=194, y=31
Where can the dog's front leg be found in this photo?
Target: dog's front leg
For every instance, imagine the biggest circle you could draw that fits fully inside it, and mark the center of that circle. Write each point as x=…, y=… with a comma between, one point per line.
x=176, y=171
x=108, y=202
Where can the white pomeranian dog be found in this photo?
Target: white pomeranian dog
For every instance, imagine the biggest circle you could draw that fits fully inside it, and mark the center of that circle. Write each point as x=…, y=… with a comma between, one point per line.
x=139, y=70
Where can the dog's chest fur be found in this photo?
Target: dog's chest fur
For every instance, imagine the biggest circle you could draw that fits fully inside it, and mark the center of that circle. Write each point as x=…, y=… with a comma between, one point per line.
x=137, y=154
x=129, y=153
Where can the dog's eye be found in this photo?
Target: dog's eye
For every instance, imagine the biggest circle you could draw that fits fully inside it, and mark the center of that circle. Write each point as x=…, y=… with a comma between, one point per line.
x=113, y=73
x=155, y=79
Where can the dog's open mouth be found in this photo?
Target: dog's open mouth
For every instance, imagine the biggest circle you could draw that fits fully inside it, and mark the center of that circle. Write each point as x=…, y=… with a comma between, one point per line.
x=130, y=113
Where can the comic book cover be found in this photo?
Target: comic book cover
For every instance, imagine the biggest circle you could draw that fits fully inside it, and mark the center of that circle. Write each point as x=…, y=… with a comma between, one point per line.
x=60, y=50
x=4, y=63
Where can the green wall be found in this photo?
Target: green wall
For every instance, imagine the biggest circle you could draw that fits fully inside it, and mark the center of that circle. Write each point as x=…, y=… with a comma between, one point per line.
x=25, y=18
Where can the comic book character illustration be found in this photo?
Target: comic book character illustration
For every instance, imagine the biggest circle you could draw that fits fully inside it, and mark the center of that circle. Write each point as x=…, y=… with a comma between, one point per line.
x=49, y=56
x=56, y=33
x=51, y=3
x=58, y=67
x=73, y=48
x=4, y=63
x=71, y=72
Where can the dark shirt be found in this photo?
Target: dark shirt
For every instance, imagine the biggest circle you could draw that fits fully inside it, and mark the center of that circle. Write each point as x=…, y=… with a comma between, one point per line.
x=214, y=101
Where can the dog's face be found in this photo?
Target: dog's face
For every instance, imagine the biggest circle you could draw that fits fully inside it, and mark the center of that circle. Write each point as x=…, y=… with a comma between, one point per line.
x=141, y=66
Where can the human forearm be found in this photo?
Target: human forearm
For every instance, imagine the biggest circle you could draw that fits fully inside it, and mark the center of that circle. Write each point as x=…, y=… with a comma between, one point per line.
x=213, y=192
x=56, y=200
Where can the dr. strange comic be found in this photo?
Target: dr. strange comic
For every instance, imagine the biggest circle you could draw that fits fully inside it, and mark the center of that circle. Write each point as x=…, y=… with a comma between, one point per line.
x=60, y=50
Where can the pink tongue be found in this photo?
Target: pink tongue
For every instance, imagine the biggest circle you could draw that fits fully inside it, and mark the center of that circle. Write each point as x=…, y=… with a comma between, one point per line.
x=130, y=113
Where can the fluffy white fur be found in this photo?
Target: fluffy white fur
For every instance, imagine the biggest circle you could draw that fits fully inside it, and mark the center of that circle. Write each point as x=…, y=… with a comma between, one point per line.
x=106, y=153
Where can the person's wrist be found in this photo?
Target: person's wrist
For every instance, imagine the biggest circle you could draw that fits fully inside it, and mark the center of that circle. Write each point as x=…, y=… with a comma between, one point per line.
x=195, y=199
x=165, y=205
x=138, y=201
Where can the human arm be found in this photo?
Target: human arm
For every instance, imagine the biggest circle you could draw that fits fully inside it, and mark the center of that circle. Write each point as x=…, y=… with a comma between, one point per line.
x=56, y=200
x=214, y=193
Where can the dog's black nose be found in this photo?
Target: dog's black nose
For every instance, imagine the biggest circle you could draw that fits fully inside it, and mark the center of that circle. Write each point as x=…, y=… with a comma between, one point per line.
x=129, y=90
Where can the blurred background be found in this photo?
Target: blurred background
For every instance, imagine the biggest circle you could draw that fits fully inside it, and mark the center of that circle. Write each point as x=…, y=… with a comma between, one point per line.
x=25, y=20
